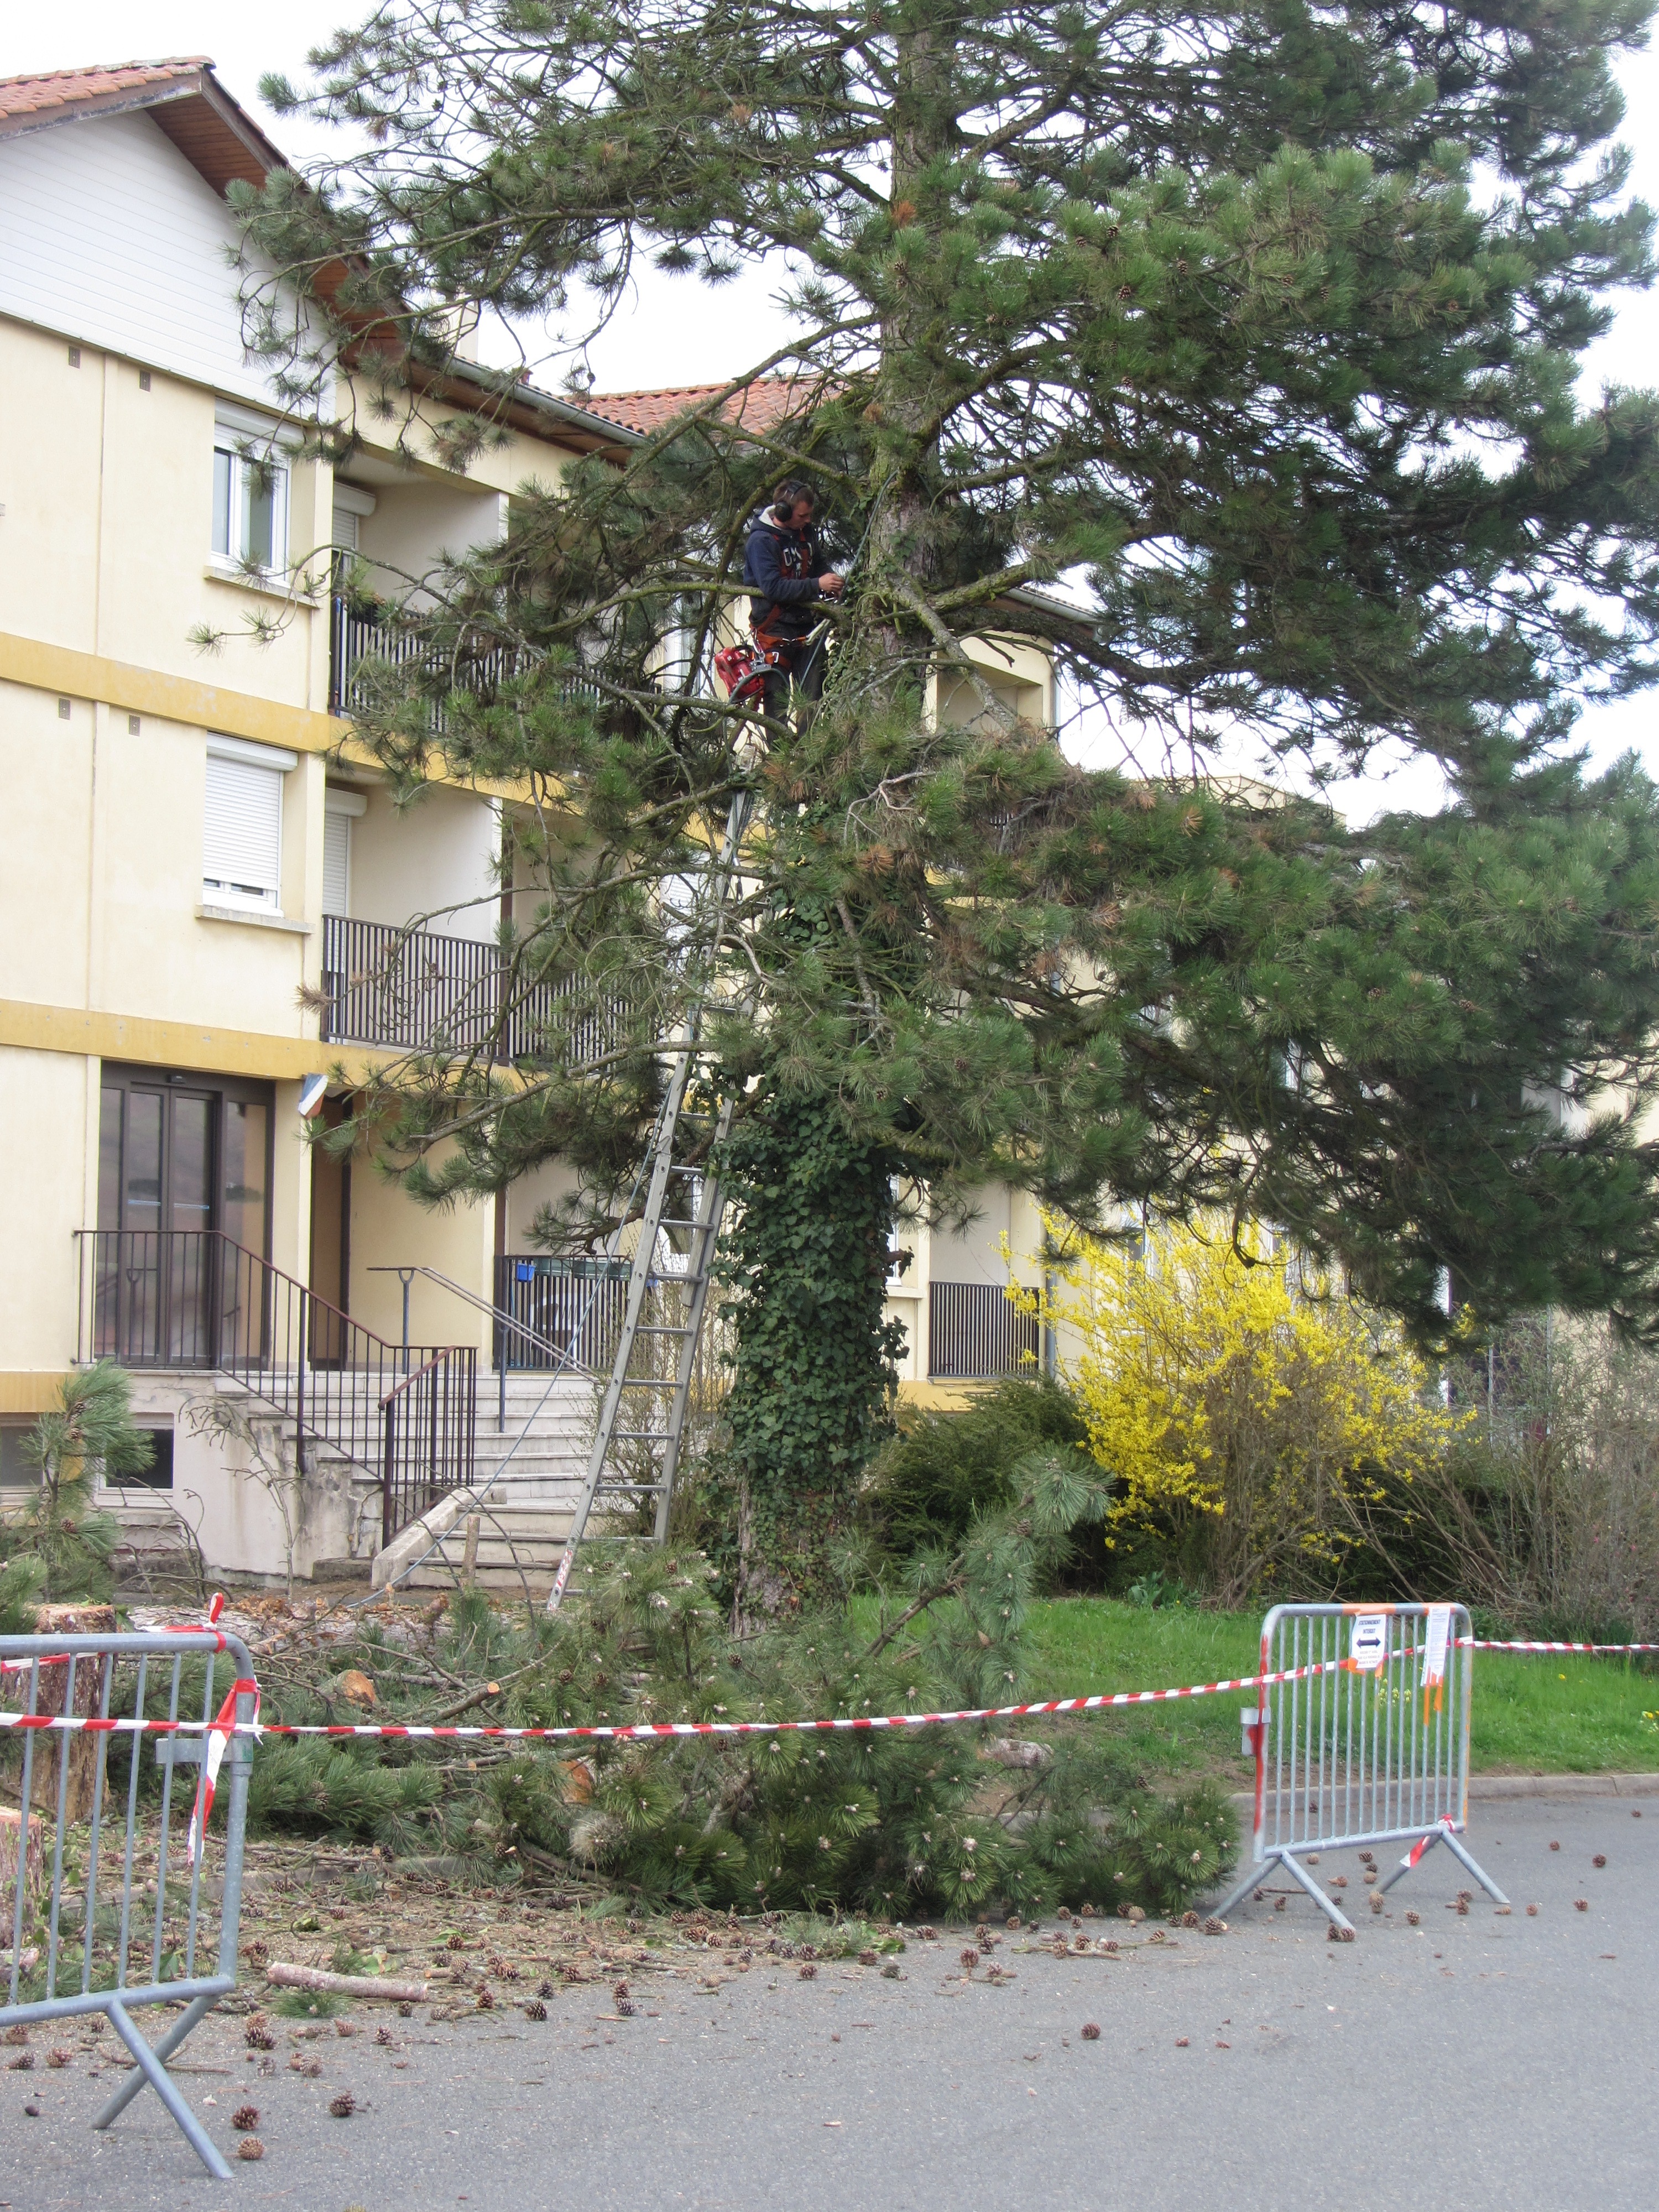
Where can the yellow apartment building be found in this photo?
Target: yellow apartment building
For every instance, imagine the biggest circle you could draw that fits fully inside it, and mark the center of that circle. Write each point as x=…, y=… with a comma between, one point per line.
x=191, y=868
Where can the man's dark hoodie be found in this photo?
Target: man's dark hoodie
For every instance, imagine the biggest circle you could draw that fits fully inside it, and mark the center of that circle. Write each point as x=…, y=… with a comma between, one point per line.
x=782, y=568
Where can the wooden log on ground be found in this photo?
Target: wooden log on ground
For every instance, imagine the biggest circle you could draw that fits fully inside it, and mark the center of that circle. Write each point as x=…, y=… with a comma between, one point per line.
x=319, y=1979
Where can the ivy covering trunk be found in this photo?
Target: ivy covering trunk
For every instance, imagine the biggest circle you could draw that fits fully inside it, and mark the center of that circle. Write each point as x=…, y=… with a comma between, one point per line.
x=807, y=1265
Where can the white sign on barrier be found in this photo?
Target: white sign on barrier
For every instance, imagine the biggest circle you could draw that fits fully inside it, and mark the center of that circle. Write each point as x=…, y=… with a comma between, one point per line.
x=1436, y=1640
x=1367, y=1644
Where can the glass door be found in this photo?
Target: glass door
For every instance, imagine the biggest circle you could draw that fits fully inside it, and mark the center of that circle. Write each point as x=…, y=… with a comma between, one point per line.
x=179, y=1155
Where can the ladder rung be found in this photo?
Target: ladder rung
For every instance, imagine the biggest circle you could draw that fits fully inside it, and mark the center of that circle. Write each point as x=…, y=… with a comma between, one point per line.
x=642, y=1436
x=649, y=1383
x=661, y=1328
x=629, y=1489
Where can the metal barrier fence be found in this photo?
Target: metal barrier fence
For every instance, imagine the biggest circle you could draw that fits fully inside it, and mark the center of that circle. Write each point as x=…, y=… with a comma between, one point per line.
x=1369, y=1743
x=104, y=1904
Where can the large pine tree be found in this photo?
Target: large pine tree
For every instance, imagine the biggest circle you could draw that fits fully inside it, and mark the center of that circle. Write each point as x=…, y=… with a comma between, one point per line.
x=1260, y=326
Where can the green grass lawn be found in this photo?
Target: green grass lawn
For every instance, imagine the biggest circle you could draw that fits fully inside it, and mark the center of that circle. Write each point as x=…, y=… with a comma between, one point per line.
x=1542, y=1714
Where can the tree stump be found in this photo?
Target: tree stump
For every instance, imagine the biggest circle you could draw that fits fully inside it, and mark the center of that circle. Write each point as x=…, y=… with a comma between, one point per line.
x=79, y=1749
x=11, y=1830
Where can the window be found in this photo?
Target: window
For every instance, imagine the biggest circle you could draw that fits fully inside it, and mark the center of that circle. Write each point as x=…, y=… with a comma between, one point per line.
x=242, y=824
x=17, y=1476
x=339, y=808
x=351, y=504
x=158, y=1475
x=250, y=492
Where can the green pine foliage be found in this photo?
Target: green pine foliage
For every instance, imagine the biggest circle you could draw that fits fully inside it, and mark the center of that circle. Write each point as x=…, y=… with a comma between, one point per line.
x=21, y=1577
x=60, y=1545
x=893, y=1823
x=1228, y=355
x=311, y=1787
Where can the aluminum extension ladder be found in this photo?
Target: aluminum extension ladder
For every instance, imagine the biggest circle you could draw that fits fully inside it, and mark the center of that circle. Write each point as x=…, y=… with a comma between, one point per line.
x=648, y=1394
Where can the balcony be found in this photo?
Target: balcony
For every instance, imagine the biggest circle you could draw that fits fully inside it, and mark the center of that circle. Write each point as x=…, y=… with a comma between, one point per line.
x=974, y=1334
x=355, y=638
x=420, y=992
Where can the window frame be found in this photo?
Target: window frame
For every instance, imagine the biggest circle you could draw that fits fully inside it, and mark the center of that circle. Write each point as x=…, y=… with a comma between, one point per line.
x=345, y=807
x=249, y=445
x=16, y=1491
x=267, y=759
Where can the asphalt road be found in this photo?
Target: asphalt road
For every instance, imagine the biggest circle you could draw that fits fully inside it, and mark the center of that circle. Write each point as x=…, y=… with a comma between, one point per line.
x=1487, y=2061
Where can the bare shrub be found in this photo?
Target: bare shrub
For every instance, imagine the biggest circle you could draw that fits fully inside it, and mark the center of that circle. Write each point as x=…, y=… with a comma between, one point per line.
x=1546, y=1512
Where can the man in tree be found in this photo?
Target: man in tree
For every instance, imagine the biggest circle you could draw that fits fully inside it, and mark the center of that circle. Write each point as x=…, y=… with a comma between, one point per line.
x=780, y=566
x=1192, y=314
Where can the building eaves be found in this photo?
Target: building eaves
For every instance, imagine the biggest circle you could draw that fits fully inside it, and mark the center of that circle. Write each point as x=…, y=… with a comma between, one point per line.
x=222, y=142
x=570, y=415
x=184, y=98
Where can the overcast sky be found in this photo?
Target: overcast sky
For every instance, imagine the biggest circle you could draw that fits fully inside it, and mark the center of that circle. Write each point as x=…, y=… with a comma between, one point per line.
x=678, y=331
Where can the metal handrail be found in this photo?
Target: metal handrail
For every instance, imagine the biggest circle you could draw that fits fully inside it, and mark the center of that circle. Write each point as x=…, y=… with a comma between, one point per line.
x=408, y=1381
x=414, y=1438
x=198, y=1299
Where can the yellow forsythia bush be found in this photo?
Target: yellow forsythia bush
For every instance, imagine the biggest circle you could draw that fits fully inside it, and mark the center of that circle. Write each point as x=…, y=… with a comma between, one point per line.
x=1243, y=1418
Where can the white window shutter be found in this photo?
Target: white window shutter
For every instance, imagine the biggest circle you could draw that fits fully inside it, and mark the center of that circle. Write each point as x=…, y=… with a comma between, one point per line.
x=345, y=528
x=337, y=861
x=242, y=832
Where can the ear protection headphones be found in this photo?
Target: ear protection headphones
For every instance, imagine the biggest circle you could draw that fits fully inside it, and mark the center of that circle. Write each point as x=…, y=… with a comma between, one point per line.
x=788, y=496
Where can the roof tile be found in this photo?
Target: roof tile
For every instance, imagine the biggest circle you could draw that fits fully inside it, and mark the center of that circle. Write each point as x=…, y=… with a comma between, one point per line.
x=760, y=405
x=36, y=95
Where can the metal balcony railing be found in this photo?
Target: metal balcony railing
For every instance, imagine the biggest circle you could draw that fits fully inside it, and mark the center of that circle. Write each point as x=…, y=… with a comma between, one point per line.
x=194, y=1298
x=421, y=992
x=356, y=638
x=974, y=1334
x=567, y=1312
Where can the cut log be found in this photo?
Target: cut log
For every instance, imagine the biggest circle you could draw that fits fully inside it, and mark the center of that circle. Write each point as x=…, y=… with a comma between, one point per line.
x=345, y=1985
x=78, y=1750
x=11, y=1828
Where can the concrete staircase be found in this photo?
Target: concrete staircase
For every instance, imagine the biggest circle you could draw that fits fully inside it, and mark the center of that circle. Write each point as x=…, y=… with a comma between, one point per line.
x=541, y=1450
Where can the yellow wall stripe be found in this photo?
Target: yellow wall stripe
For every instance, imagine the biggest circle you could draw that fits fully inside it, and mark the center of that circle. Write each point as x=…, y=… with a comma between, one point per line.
x=98, y=1035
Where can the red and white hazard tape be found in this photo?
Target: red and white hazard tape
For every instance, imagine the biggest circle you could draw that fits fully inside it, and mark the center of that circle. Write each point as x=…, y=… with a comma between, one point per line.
x=224, y=1725
x=650, y=1731
x=1515, y=1644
